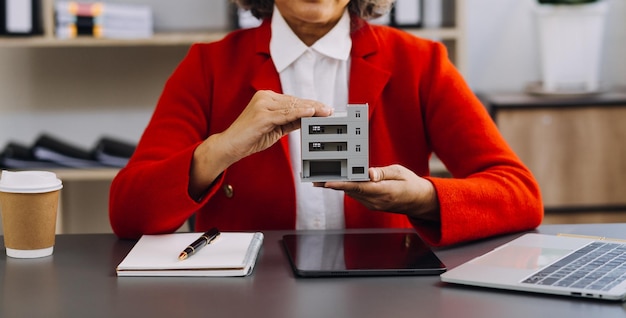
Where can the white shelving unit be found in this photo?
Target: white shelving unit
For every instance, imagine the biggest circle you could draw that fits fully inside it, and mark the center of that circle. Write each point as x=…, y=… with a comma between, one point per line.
x=78, y=201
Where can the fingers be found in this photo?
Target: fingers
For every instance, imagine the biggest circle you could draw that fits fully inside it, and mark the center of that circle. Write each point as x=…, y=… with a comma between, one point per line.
x=377, y=174
x=292, y=108
x=354, y=187
x=268, y=117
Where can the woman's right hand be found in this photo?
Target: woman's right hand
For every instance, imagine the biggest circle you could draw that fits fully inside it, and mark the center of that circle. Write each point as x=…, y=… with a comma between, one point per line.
x=268, y=117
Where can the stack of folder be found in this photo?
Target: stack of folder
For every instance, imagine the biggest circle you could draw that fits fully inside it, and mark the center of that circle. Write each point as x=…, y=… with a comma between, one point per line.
x=19, y=156
x=103, y=20
x=52, y=152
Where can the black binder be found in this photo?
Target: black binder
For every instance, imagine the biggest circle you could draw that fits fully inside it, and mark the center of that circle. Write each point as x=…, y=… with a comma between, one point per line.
x=19, y=156
x=49, y=151
x=113, y=152
x=50, y=148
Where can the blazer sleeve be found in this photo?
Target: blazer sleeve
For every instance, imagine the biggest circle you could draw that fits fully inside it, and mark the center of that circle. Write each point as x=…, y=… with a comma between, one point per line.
x=491, y=191
x=150, y=194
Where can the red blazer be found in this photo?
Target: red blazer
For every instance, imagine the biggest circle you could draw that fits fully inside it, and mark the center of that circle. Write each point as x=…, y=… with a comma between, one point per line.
x=418, y=104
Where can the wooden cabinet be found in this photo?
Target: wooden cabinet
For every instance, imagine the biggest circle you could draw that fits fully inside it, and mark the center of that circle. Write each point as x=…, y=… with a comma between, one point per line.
x=575, y=147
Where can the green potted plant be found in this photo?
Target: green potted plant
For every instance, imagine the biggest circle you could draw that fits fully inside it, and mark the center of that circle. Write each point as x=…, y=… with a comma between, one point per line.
x=571, y=36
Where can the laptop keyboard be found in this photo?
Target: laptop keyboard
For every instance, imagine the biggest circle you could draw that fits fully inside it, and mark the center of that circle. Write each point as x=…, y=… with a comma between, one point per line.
x=597, y=266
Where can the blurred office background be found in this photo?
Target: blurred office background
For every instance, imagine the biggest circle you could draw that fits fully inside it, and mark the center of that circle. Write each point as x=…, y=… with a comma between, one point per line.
x=81, y=92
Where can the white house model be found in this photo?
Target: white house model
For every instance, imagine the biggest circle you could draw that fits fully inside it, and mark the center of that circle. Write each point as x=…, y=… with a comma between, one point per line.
x=336, y=148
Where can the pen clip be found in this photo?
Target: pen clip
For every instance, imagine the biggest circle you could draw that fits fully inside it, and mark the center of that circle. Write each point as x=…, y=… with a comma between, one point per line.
x=211, y=235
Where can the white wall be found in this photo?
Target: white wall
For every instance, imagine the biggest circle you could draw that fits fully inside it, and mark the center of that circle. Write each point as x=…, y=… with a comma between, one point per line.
x=80, y=93
x=503, y=46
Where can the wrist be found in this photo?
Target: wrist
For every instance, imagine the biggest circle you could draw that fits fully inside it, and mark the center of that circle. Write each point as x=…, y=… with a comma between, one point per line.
x=427, y=206
x=208, y=162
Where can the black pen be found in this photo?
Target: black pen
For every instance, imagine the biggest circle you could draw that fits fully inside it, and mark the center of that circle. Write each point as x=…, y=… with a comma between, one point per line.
x=202, y=241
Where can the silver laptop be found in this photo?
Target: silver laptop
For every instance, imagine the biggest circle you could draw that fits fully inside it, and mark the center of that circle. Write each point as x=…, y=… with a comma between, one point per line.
x=561, y=265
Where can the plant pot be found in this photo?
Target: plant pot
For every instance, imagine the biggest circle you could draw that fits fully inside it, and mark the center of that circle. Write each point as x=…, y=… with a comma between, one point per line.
x=571, y=39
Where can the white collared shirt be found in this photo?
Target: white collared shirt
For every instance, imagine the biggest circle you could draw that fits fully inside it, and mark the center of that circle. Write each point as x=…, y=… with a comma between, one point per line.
x=319, y=72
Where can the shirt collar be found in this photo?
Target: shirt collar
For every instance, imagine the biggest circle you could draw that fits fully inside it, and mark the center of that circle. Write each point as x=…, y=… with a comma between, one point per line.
x=286, y=47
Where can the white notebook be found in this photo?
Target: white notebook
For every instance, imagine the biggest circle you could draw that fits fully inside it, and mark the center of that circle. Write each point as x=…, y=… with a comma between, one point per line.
x=231, y=254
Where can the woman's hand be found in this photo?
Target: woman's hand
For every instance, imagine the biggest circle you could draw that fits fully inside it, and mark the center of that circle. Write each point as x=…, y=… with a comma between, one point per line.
x=394, y=189
x=268, y=117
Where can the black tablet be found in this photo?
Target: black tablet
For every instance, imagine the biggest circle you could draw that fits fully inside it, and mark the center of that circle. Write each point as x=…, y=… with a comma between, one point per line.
x=360, y=254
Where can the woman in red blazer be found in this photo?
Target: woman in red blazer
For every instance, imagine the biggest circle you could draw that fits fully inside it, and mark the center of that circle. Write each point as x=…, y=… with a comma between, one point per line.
x=216, y=145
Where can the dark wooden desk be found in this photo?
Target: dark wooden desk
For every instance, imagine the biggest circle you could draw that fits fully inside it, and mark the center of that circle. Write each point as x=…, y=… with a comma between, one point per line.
x=79, y=281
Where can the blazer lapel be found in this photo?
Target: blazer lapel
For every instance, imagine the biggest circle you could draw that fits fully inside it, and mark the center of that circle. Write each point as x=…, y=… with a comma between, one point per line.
x=367, y=79
x=266, y=76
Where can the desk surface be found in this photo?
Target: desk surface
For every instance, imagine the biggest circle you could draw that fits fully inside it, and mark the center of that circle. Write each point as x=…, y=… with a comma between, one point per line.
x=79, y=281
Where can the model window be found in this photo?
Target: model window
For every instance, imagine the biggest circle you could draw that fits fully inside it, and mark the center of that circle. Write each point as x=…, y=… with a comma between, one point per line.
x=316, y=146
x=316, y=129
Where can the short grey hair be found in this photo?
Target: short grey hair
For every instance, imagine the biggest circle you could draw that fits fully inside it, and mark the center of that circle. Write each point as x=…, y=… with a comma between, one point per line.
x=366, y=9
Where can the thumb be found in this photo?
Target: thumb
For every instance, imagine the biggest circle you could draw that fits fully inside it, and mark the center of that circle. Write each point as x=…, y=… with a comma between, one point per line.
x=392, y=172
x=376, y=174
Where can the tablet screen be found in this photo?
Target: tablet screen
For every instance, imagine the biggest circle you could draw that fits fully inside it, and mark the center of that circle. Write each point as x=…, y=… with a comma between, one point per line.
x=360, y=254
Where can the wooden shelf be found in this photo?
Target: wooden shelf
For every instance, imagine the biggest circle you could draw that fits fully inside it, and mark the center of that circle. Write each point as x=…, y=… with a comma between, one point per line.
x=453, y=35
x=175, y=39
x=159, y=39
x=448, y=33
x=96, y=174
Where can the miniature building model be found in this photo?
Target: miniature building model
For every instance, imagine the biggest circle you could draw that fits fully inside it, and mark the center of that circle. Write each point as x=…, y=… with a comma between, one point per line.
x=336, y=148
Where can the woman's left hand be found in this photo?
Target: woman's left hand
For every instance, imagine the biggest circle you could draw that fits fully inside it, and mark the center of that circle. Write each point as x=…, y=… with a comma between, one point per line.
x=394, y=189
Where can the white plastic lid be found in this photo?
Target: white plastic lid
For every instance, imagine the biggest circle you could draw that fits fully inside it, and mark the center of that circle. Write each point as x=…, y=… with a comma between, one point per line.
x=29, y=181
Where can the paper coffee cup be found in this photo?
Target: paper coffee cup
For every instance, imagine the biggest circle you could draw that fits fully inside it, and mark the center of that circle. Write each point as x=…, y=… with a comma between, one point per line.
x=28, y=204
